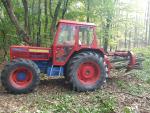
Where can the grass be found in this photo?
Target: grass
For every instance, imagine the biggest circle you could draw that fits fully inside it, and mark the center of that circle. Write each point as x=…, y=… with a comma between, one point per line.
x=145, y=73
x=72, y=102
x=133, y=88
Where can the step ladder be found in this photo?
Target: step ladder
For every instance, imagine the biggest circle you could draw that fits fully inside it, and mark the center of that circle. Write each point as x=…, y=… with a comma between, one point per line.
x=59, y=70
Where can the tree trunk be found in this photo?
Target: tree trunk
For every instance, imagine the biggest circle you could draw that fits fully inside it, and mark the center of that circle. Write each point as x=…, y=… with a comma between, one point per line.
x=54, y=17
x=46, y=20
x=126, y=31
x=33, y=17
x=88, y=11
x=106, y=44
x=149, y=35
x=9, y=8
x=4, y=40
x=106, y=36
x=135, y=32
x=146, y=23
x=26, y=17
x=39, y=24
x=125, y=40
x=50, y=8
x=5, y=49
x=129, y=40
x=65, y=6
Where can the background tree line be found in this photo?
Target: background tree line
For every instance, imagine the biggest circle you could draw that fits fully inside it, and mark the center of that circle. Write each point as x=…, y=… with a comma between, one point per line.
x=121, y=24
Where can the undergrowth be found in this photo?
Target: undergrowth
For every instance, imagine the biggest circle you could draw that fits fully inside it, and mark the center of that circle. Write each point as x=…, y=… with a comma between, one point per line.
x=144, y=74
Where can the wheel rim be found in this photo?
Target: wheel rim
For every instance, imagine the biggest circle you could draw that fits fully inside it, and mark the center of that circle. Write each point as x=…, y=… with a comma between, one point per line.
x=21, y=78
x=88, y=73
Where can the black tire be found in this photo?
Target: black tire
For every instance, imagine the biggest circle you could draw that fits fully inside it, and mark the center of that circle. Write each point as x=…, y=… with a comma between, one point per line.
x=66, y=73
x=73, y=67
x=14, y=65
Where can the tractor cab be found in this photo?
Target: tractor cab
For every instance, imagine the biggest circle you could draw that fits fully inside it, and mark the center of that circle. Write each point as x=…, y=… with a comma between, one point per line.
x=72, y=36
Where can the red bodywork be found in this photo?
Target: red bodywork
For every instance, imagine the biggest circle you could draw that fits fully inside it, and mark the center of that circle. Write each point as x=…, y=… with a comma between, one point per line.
x=29, y=52
x=63, y=48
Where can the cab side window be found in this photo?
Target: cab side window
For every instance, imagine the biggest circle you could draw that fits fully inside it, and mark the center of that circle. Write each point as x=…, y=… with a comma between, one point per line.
x=66, y=35
x=86, y=36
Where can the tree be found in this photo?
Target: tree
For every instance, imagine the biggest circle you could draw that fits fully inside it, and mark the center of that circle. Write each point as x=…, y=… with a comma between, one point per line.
x=54, y=16
x=39, y=24
x=33, y=20
x=65, y=6
x=9, y=8
x=46, y=18
x=114, y=27
x=26, y=17
x=88, y=10
x=109, y=13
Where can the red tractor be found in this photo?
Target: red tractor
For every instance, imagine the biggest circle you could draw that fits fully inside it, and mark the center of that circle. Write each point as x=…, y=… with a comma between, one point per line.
x=74, y=54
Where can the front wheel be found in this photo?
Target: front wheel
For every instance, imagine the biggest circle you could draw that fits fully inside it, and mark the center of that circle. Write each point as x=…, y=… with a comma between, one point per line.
x=86, y=71
x=20, y=76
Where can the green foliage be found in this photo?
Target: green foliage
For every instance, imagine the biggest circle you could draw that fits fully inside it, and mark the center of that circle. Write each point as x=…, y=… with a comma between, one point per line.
x=8, y=35
x=72, y=102
x=128, y=110
x=133, y=88
x=101, y=12
x=121, y=84
x=144, y=73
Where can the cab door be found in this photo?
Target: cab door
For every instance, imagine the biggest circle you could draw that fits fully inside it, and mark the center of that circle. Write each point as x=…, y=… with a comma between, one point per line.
x=64, y=43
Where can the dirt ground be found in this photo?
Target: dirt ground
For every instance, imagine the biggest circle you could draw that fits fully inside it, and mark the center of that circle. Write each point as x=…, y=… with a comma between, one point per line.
x=137, y=101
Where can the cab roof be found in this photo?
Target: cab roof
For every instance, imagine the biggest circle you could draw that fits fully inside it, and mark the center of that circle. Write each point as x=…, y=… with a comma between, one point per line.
x=76, y=23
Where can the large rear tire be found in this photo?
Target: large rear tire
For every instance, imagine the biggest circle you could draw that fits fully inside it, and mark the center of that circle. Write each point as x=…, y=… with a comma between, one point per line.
x=20, y=76
x=86, y=71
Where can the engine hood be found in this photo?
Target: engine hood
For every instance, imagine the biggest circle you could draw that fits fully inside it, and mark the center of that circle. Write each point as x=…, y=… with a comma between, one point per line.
x=30, y=52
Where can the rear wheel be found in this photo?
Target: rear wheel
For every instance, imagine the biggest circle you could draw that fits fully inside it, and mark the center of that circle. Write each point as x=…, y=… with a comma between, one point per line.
x=86, y=71
x=20, y=76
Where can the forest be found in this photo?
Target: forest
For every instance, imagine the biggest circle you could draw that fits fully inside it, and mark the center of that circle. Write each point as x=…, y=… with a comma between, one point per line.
x=120, y=25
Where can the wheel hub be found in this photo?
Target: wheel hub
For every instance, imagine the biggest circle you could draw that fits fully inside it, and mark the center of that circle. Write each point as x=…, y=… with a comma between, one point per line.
x=88, y=72
x=21, y=77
